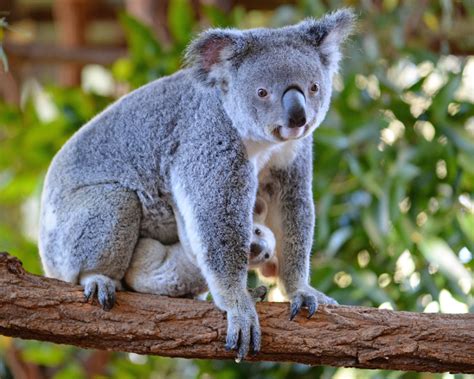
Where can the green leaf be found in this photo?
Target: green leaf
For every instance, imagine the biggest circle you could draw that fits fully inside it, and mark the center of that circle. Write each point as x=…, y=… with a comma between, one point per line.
x=122, y=69
x=140, y=38
x=437, y=251
x=366, y=281
x=440, y=102
x=461, y=139
x=372, y=228
x=217, y=17
x=466, y=223
x=338, y=238
x=180, y=20
x=46, y=354
x=72, y=371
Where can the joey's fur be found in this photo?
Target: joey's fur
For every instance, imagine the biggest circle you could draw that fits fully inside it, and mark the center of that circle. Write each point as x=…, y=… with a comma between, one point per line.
x=180, y=159
x=172, y=270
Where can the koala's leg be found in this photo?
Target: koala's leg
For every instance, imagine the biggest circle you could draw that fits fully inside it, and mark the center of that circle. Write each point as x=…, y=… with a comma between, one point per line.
x=291, y=217
x=164, y=270
x=214, y=196
x=96, y=230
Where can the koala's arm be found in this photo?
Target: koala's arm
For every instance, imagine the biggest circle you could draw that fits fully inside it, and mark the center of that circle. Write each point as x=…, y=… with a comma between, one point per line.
x=213, y=187
x=297, y=218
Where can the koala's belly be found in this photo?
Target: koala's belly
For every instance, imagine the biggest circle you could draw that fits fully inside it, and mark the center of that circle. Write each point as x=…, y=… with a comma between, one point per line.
x=158, y=220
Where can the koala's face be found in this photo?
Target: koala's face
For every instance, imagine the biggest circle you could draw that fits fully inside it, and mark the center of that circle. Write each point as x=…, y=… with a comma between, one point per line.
x=275, y=84
x=279, y=94
x=262, y=246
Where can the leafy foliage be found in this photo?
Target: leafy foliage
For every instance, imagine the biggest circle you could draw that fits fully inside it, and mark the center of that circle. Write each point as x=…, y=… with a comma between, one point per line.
x=393, y=179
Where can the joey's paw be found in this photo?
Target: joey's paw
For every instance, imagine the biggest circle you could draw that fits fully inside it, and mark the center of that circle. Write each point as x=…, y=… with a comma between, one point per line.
x=243, y=329
x=99, y=286
x=309, y=298
x=259, y=293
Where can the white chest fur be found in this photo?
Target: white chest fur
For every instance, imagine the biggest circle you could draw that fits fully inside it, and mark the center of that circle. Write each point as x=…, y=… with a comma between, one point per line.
x=263, y=154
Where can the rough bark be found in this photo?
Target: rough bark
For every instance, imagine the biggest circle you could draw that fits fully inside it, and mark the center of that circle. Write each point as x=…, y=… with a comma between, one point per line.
x=34, y=307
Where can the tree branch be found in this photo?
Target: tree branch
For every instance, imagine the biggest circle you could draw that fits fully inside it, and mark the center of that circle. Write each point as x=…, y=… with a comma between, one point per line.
x=34, y=307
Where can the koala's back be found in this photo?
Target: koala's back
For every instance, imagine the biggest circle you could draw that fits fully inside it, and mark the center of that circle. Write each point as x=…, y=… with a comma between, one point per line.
x=116, y=145
x=132, y=143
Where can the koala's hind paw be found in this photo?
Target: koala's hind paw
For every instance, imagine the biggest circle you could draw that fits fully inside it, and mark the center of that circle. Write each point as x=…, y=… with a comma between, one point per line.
x=310, y=298
x=243, y=329
x=101, y=286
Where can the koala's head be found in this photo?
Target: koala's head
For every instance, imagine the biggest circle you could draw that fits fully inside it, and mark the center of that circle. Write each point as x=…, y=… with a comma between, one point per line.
x=275, y=84
x=262, y=245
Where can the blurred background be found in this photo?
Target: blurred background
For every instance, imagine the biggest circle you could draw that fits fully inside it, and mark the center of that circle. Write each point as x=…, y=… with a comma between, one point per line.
x=394, y=159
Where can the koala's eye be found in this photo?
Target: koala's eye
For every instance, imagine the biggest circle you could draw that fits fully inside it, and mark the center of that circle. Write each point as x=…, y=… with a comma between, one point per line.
x=258, y=232
x=262, y=92
x=314, y=88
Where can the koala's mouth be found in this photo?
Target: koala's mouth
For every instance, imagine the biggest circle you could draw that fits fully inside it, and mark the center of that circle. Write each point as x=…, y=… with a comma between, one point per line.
x=259, y=259
x=283, y=133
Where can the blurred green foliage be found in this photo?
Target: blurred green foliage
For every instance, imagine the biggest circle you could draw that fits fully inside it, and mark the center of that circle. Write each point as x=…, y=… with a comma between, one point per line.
x=393, y=179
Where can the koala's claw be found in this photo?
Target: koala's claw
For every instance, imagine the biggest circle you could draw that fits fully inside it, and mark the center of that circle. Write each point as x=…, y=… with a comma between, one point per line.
x=231, y=342
x=101, y=287
x=256, y=340
x=89, y=290
x=311, y=299
x=296, y=305
x=243, y=331
x=312, y=306
x=106, y=299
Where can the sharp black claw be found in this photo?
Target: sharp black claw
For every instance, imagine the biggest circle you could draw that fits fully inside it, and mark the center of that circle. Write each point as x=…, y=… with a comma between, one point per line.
x=232, y=345
x=107, y=302
x=106, y=307
x=312, y=310
x=254, y=351
x=89, y=292
x=294, y=311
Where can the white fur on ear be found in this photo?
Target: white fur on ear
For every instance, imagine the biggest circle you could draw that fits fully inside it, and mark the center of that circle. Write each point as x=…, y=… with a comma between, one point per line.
x=328, y=33
x=212, y=49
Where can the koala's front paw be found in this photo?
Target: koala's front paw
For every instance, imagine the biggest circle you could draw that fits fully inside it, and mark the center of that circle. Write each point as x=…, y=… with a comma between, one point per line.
x=243, y=329
x=310, y=298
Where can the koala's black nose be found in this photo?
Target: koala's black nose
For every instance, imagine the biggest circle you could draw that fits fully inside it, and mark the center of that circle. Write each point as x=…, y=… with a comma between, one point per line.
x=297, y=120
x=255, y=249
x=294, y=103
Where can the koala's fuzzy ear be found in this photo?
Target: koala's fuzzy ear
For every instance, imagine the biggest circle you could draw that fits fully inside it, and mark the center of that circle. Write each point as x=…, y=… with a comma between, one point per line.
x=328, y=33
x=260, y=210
x=212, y=50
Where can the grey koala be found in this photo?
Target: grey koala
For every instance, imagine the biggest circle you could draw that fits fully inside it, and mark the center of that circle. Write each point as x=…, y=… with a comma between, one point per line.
x=180, y=159
x=172, y=270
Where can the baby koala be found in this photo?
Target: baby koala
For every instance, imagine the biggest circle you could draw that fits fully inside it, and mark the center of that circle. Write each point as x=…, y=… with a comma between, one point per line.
x=172, y=270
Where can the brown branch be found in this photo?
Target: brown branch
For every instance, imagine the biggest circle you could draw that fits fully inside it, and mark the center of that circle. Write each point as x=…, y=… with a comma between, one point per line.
x=34, y=307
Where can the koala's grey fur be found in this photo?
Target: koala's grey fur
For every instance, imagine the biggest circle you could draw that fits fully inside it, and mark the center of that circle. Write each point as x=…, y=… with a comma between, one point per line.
x=181, y=159
x=172, y=270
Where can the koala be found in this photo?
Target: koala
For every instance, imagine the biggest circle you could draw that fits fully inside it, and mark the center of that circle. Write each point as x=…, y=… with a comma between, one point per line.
x=173, y=271
x=181, y=159
x=268, y=269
